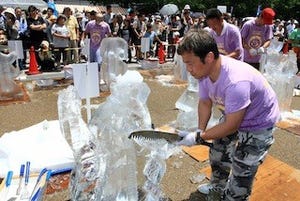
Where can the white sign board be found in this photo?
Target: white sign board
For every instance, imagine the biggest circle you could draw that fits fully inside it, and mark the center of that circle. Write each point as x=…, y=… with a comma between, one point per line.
x=145, y=43
x=86, y=79
x=223, y=9
x=17, y=46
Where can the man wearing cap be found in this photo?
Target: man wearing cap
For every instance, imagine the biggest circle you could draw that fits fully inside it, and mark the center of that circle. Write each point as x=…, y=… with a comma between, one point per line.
x=256, y=36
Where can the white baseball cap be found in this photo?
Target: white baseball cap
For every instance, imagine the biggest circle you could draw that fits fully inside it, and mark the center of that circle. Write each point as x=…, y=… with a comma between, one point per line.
x=187, y=7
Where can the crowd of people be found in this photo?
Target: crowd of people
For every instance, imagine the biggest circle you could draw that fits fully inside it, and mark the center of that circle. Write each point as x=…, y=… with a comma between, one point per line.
x=64, y=33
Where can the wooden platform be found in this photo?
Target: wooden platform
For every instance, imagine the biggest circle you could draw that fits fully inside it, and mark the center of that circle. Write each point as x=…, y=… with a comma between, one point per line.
x=23, y=99
x=274, y=181
x=291, y=124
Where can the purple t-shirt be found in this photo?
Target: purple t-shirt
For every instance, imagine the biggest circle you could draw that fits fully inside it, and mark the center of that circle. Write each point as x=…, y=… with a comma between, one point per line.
x=240, y=86
x=255, y=36
x=97, y=33
x=229, y=41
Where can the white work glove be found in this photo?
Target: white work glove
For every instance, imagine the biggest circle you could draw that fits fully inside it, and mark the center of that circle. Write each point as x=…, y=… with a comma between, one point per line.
x=253, y=52
x=82, y=43
x=189, y=138
x=261, y=50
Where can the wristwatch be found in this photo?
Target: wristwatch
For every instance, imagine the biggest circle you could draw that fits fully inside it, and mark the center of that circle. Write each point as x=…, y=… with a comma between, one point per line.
x=199, y=139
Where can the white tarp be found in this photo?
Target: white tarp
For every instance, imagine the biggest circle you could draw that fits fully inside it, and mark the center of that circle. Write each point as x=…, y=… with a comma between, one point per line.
x=42, y=144
x=24, y=4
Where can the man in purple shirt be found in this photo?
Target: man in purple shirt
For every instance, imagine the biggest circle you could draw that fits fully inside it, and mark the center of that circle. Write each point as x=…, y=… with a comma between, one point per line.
x=227, y=36
x=256, y=36
x=97, y=30
x=249, y=106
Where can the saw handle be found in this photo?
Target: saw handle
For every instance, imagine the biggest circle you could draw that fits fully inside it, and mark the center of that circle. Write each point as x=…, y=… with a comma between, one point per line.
x=200, y=140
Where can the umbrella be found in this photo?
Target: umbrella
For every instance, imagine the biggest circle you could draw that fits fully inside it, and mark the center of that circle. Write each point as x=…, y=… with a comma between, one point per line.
x=168, y=9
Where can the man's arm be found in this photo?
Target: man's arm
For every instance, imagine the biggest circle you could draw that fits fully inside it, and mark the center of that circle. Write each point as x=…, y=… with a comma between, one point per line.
x=229, y=126
x=204, y=113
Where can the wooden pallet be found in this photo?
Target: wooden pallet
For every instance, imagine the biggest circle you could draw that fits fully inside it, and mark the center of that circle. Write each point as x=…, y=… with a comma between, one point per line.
x=274, y=181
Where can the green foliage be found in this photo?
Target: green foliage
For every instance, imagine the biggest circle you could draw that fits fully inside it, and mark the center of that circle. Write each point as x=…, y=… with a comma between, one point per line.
x=241, y=8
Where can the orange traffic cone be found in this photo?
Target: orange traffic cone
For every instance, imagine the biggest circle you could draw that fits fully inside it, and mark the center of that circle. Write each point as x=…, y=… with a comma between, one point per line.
x=33, y=66
x=161, y=54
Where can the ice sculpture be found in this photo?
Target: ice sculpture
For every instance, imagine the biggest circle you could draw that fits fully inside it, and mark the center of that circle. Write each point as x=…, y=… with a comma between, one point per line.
x=180, y=72
x=155, y=166
x=114, y=51
x=90, y=164
x=124, y=111
x=187, y=118
x=9, y=89
x=280, y=70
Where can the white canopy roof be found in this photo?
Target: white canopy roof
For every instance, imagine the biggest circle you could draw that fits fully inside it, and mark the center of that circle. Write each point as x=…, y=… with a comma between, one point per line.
x=24, y=4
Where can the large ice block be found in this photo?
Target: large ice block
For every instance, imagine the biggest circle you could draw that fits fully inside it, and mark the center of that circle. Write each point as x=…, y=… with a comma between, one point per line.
x=114, y=51
x=9, y=89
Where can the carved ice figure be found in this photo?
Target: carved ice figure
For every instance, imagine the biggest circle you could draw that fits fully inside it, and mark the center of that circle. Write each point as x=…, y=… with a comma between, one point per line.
x=280, y=70
x=114, y=51
x=9, y=89
x=90, y=164
x=124, y=111
x=180, y=71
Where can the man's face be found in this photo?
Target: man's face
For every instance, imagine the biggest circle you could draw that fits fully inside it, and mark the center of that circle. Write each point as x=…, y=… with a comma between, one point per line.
x=215, y=24
x=18, y=12
x=195, y=66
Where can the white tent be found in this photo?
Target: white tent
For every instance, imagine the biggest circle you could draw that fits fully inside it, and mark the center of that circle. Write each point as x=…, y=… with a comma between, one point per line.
x=24, y=4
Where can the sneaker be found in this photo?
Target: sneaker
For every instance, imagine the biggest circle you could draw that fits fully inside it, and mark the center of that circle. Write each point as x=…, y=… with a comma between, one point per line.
x=204, y=188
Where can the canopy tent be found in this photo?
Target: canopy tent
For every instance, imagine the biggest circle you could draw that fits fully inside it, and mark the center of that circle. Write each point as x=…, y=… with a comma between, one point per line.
x=24, y=4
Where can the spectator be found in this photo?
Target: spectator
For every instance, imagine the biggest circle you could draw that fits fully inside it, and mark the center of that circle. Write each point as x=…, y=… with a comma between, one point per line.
x=187, y=22
x=115, y=26
x=109, y=14
x=290, y=26
x=11, y=24
x=61, y=36
x=256, y=36
x=22, y=31
x=37, y=26
x=226, y=35
x=2, y=18
x=73, y=28
x=97, y=29
x=139, y=29
x=126, y=33
x=174, y=28
x=153, y=38
x=280, y=31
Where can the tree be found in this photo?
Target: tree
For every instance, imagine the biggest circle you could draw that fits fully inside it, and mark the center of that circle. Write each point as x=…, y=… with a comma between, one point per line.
x=284, y=9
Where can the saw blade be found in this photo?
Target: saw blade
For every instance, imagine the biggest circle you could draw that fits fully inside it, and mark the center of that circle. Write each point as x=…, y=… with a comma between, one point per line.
x=155, y=135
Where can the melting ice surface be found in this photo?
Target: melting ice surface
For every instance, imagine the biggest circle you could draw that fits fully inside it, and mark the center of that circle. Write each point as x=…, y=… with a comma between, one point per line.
x=124, y=111
x=114, y=51
x=280, y=70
